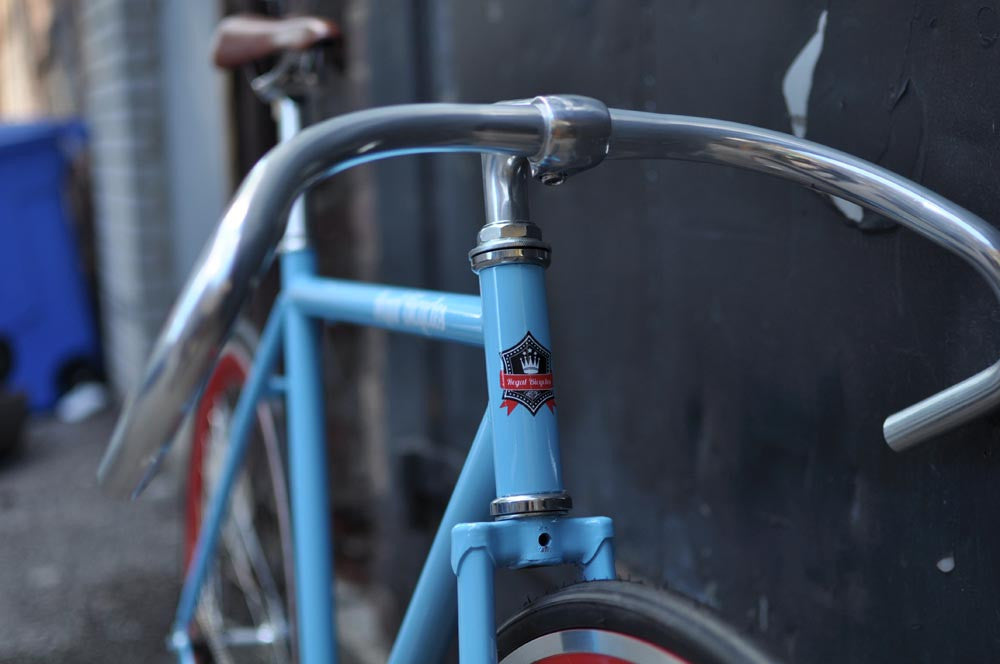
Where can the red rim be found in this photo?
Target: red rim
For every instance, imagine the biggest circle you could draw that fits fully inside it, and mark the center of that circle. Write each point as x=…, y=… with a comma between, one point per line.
x=229, y=372
x=600, y=658
x=582, y=658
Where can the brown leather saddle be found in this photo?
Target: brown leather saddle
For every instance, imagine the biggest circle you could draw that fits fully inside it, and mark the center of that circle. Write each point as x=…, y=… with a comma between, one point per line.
x=242, y=39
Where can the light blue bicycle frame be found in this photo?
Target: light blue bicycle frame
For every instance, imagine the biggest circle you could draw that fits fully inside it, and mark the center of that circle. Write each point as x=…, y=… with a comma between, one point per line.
x=514, y=453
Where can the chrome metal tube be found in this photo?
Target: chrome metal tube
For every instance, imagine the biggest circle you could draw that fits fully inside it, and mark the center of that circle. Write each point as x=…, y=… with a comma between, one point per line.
x=505, y=188
x=290, y=124
x=248, y=234
x=637, y=135
x=508, y=235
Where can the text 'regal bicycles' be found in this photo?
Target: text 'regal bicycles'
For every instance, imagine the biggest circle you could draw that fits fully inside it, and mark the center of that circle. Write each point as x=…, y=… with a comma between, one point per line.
x=509, y=508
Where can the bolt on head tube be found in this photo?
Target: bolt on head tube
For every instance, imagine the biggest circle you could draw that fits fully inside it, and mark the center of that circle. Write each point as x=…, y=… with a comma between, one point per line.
x=510, y=259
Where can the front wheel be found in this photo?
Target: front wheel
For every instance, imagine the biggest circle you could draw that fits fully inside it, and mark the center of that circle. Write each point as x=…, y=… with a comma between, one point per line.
x=617, y=622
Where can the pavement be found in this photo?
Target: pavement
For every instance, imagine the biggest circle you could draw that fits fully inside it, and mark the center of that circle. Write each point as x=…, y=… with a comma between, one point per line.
x=83, y=577
x=89, y=578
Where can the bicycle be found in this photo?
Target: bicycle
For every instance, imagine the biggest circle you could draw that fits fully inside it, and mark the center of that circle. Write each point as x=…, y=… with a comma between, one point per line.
x=509, y=507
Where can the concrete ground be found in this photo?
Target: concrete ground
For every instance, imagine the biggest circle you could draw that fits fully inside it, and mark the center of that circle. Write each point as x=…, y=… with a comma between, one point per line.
x=83, y=577
x=89, y=578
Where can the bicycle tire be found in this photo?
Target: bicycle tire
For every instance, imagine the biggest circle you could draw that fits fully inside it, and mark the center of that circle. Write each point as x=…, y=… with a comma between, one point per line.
x=260, y=501
x=620, y=622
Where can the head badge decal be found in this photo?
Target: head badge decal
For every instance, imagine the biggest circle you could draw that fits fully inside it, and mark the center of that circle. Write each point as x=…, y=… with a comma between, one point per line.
x=526, y=377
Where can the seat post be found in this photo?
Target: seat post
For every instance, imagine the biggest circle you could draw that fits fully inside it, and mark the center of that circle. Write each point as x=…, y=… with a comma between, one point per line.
x=510, y=259
x=296, y=236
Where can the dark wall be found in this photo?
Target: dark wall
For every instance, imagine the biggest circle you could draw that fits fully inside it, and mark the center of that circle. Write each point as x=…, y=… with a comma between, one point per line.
x=727, y=345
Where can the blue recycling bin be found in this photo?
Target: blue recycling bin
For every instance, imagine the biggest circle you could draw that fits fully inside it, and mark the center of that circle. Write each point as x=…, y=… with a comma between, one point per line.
x=47, y=326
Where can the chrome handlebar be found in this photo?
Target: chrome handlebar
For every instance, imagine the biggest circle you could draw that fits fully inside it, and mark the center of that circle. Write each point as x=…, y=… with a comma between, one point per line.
x=559, y=135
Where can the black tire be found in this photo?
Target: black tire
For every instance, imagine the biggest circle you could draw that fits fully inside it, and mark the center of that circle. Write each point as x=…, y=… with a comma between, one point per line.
x=654, y=624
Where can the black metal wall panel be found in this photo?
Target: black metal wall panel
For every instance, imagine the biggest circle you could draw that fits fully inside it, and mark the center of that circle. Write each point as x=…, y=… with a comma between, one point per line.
x=727, y=345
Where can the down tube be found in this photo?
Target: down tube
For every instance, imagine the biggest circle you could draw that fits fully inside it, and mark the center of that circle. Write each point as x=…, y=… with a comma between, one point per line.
x=429, y=624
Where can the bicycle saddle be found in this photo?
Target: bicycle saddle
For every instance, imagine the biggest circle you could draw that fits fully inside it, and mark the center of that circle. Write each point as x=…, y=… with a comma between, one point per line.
x=240, y=40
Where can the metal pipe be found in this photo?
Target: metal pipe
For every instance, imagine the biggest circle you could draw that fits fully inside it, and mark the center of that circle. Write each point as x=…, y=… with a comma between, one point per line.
x=637, y=135
x=508, y=236
x=289, y=124
x=505, y=188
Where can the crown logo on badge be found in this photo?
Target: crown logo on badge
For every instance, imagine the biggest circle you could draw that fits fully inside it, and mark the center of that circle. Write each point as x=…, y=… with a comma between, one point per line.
x=529, y=362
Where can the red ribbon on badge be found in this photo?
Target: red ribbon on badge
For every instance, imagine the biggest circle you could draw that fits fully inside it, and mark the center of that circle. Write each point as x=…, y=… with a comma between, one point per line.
x=512, y=382
x=510, y=404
